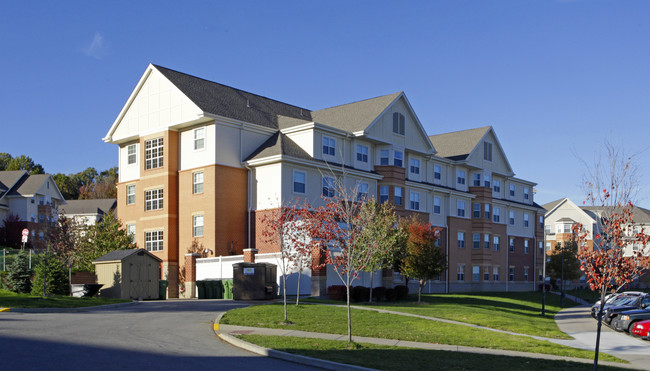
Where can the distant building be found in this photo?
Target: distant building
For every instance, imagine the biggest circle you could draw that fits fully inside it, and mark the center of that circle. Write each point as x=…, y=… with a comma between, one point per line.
x=34, y=200
x=200, y=160
x=88, y=212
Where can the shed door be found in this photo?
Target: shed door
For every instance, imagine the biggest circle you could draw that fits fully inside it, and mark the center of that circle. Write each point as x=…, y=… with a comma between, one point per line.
x=141, y=285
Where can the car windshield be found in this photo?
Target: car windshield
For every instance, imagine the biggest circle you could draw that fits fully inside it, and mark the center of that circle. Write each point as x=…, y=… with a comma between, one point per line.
x=623, y=301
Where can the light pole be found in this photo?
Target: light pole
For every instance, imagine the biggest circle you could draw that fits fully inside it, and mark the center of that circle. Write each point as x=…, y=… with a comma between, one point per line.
x=562, y=276
x=544, y=276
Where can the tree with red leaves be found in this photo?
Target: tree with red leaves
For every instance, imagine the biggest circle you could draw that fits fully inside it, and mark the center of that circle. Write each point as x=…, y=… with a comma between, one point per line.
x=424, y=260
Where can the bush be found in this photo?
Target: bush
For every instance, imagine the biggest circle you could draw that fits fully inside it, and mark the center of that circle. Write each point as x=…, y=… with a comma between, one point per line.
x=391, y=295
x=57, y=277
x=401, y=292
x=336, y=292
x=360, y=293
x=4, y=281
x=378, y=293
x=20, y=275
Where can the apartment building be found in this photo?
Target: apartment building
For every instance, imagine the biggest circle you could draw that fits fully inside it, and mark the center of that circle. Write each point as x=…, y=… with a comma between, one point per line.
x=202, y=161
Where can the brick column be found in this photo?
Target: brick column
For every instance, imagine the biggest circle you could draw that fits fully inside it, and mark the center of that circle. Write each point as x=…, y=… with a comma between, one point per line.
x=170, y=273
x=318, y=274
x=249, y=255
x=190, y=275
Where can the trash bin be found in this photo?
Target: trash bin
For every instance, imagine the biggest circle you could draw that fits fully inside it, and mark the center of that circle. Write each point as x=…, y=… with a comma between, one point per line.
x=209, y=289
x=200, y=285
x=162, y=289
x=227, y=289
x=218, y=289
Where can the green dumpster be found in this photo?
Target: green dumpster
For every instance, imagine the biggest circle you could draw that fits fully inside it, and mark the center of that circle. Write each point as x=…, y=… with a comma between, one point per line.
x=227, y=289
x=218, y=289
x=162, y=289
x=209, y=289
x=200, y=285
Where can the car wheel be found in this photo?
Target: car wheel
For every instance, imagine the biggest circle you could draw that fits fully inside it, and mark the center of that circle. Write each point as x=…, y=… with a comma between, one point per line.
x=630, y=327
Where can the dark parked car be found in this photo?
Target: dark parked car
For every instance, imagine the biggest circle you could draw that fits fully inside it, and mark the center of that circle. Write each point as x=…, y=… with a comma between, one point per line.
x=641, y=302
x=626, y=320
x=620, y=298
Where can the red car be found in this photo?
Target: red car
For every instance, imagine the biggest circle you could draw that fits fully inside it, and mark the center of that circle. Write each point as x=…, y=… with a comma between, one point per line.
x=641, y=329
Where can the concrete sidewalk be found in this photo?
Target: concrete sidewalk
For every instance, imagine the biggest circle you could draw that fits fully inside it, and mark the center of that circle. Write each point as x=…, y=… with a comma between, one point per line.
x=228, y=332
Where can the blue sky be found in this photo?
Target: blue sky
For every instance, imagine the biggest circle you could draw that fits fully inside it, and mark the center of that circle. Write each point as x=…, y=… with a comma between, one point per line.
x=554, y=78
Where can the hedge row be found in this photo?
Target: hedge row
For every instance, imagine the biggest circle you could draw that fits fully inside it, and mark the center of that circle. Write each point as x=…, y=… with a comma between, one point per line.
x=362, y=293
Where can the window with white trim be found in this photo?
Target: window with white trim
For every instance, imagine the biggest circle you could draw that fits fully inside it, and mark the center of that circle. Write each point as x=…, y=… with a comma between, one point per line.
x=153, y=153
x=460, y=276
x=461, y=239
x=362, y=153
x=362, y=191
x=477, y=180
x=487, y=151
x=525, y=246
x=436, y=205
x=383, y=194
x=415, y=166
x=131, y=154
x=495, y=273
x=197, y=225
x=486, y=241
x=398, y=123
x=487, y=180
x=153, y=241
x=130, y=230
x=399, y=196
x=415, y=200
x=384, y=155
x=460, y=176
x=199, y=139
x=526, y=274
x=437, y=172
x=497, y=215
x=329, y=146
x=497, y=186
x=153, y=199
x=526, y=193
x=512, y=190
x=477, y=210
x=197, y=182
x=511, y=274
x=398, y=158
x=460, y=208
x=512, y=245
x=329, y=186
x=299, y=182
x=525, y=220
x=512, y=218
x=486, y=211
x=476, y=240
x=130, y=194
x=486, y=273
x=496, y=241
x=476, y=273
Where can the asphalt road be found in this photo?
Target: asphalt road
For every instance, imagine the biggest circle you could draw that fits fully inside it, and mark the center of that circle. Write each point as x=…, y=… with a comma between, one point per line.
x=153, y=335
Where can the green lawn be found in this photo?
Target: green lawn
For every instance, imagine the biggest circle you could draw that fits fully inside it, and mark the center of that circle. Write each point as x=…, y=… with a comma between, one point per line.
x=10, y=299
x=329, y=319
x=384, y=357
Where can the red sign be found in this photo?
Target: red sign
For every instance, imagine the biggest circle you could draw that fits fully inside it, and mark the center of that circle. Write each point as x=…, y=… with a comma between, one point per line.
x=25, y=232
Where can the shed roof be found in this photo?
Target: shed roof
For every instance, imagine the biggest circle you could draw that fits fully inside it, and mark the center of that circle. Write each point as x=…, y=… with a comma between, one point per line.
x=118, y=255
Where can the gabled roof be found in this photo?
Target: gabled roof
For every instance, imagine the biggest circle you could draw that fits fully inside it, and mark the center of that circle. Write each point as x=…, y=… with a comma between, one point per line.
x=8, y=179
x=117, y=255
x=29, y=185
x=640, y=215
x=356, y=116
x=458, y=145
x=551, y=205
x=279, y=144
x=222, y=100
x=98, y=206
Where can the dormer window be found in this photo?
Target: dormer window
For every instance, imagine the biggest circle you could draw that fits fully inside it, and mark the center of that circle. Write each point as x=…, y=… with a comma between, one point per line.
x=398, y=158
x=398, y=123
x=329, y=146
x=362, y=153
x=477, y=180
x=415, y=166
x=383, y=157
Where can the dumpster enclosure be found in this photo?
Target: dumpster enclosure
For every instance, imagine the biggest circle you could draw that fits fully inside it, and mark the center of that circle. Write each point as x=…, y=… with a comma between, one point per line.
x=128, y=274
x=254, y=281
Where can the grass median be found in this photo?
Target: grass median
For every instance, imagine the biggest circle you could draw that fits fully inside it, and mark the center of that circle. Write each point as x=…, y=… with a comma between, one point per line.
x=384, y=357
x=9, y=299
x=330, y=319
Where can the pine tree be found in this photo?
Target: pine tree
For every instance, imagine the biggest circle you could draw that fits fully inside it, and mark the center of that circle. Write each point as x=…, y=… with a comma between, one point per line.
x=20, y=274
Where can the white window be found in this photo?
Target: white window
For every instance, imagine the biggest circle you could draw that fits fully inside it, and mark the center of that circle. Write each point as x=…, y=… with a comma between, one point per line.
x=153, y=199
x=197, y=182
x=487, y=181
x=153, y=153
x=512, y=218
x=486, y=273
x=541, y=223
x=153, y=241
x=461, y=272
x=477, y=180
x=362, y=153
x=299, y=179
x=548, y=246
x=495, y=273
x=398, y=123
x=496, y=241
x=487, y=151
x=131, y=154
x=383, y=194
x=383, y=157
x=415, y=166
x=130, y=230
x=461, y=239
x=460, y=175
x=486, y=211
x=476, y=240
x=362, y=191
x=525, y=246
x=541, y=245
x=525, y=273
x=526, y=193
x=197, y=225
x=477, y=211
x=486, y=241
x=329, y=186
x=398, y=158
x=130, y=194
x=329, y=146
x=476, y=272
x=437, y=172
x=512, y=245
x=460, y=208
x=511, y=274
x=436, y=205
x=399, y=197
x=525, y=220
x=558, y=228
x=415, y=200
x=497, y=214
x=199, y=138
x=512, y=190
x=497, y=186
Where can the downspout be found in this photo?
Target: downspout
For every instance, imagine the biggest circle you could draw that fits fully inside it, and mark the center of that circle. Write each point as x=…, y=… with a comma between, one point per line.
x=534, y=262
x=248, y=202
x=507, y=266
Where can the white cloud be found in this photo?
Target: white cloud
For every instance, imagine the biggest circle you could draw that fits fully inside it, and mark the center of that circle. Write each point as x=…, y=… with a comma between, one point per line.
x=98, y=48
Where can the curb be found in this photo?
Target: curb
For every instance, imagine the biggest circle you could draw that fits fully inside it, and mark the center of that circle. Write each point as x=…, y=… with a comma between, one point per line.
x=65, y=310
x=5, y=309
x=295, y=358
